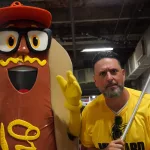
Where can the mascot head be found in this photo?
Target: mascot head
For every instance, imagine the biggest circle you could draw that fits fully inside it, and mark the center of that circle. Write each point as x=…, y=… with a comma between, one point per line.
x=24, y=44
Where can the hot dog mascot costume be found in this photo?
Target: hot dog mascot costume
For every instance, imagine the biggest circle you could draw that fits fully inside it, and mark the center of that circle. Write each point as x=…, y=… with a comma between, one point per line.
x=32, y=112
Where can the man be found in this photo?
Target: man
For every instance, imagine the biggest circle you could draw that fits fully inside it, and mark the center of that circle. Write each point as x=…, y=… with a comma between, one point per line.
x=29, y=97
x=105, y=118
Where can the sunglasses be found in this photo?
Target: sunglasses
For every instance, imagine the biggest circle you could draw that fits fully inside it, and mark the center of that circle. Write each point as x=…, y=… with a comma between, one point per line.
x=37, y=39
x=117, y=128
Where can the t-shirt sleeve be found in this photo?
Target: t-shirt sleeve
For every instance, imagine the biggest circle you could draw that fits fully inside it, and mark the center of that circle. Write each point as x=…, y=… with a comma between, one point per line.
x=148, y=111
x=148, y=118
x=85, y=136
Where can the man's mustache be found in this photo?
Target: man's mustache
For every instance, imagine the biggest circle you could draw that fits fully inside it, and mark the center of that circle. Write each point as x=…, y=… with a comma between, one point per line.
x=20, y=59
x=111, y=84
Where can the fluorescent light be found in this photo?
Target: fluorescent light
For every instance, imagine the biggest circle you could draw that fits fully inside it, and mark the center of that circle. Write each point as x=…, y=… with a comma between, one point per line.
x=97, y=49
x=93, y=96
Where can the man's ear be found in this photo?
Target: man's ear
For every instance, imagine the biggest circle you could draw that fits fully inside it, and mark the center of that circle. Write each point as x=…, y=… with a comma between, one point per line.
x=94, y=78
x=124, y=74
x=123, y=71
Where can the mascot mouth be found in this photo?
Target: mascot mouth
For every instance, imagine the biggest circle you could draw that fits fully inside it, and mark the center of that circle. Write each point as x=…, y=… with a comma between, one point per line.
x=23, y=77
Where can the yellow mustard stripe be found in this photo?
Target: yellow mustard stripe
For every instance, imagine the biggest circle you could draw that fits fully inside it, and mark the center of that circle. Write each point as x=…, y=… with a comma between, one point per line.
x=11, y=59
x=25, y=137
x=3, y=142
x=31, y=60
x=29, y=127
x=27, y=58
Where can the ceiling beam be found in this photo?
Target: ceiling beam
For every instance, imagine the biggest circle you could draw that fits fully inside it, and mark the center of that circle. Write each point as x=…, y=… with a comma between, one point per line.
x=97, y=20
x=116, y=37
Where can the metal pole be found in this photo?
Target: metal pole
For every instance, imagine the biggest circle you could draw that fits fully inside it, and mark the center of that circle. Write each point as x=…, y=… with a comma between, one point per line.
x=135, y=110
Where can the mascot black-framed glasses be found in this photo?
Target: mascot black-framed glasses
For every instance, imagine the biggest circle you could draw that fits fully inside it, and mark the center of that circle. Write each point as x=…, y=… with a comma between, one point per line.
x=37, y=39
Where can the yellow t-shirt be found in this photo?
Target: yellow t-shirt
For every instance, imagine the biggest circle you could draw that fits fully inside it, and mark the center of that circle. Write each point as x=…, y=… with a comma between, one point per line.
x=98, y=120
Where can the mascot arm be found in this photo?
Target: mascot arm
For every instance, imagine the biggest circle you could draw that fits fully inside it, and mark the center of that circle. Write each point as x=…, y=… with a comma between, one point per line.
x=74, y=123
x=72, y=93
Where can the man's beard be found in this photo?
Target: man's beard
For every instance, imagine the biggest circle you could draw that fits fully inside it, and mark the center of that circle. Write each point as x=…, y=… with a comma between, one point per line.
x=113, y=92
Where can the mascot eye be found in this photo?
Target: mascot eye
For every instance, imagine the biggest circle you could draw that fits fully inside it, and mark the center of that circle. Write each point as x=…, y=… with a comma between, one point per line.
x=38, y=40
x=11, y=41
x=8, y=40
x=35, y=41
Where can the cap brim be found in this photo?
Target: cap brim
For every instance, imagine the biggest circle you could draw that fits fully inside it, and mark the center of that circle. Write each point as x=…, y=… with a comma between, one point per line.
x=25, y=13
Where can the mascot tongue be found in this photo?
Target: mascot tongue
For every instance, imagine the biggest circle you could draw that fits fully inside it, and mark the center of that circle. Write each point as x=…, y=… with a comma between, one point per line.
x=23, y=90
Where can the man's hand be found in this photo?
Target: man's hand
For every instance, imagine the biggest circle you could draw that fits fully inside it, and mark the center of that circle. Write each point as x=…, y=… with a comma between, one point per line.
x=70, y=88
x=115, y=145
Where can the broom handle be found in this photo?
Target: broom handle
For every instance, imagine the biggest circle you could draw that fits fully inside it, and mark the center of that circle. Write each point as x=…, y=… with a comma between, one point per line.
x=135, y=110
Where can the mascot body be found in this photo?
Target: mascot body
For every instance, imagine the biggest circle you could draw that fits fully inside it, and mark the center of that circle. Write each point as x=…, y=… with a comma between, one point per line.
x=32, y=113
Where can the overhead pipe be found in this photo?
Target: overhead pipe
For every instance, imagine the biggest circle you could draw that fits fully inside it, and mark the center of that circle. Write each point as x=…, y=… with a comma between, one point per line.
x=99, y=20
x=72, y=29
x=139, y=4
x=119, y=18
